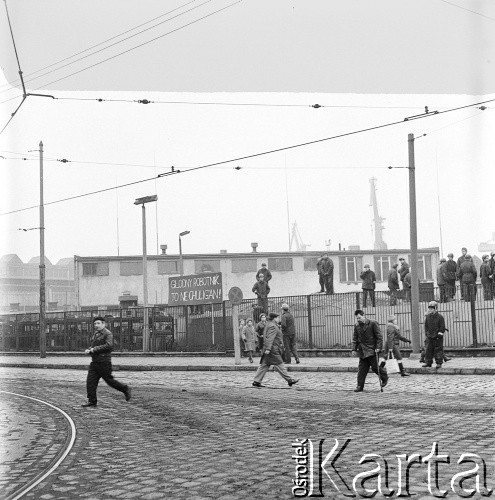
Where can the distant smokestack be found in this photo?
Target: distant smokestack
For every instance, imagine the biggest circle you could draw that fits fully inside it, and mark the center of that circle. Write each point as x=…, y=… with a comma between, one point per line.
x=164, y=249
x=254, y=246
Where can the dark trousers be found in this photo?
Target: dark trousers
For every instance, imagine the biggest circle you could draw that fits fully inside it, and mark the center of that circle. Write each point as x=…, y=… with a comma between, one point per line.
x=488, y=289
x=443, y=293
x=97, y=370
x=393, y=296
x=328, y=280
x=371, y=294
x=321, y=278
x=434, y=349
x=450, y=288
x=364, y=368
x=469, y=291
x=263, y=303
x=290, y=346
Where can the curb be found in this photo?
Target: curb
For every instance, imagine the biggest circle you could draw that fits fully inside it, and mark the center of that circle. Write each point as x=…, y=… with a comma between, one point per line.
x=251, y=368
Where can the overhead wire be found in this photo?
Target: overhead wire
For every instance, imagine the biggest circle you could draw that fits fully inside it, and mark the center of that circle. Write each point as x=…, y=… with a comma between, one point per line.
x=255, y=155
x=13, y=82
x=468, y=10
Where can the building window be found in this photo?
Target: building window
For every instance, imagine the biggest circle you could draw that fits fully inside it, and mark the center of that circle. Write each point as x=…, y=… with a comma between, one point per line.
x=383, y=264
x=280, y=263
x=206, y=266
x=424, y=267
x=310, y=263
x=95, y=269
x=168, y=267
x=350, y=269
x=131, y=267
x=244, y=265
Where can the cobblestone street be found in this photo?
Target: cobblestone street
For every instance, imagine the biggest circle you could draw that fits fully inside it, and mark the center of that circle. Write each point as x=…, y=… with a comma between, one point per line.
x=193, y=435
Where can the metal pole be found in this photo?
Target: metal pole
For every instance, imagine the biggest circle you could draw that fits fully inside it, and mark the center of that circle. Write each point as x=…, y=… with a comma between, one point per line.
x=42, y=321
x=235, y=333
x=146, y=330
x=181, y=264
x=416, y=339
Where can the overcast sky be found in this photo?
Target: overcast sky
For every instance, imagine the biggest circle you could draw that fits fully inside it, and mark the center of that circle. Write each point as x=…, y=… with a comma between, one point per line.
x=366, y=63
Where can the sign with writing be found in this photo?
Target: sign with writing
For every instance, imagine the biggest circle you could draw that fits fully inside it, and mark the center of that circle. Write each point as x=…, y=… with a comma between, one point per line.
x=195, y=289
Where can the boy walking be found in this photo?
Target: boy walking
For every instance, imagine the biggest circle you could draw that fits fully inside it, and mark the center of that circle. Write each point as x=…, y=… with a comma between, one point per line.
x=392, y=343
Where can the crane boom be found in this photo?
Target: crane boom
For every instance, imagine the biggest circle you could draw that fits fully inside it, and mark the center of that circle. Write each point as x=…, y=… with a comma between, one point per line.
x=379, y=244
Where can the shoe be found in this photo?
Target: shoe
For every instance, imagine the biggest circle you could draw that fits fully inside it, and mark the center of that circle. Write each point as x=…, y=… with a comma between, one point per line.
x=358, y=389
x=384, y=381
x=127, y=393
x=297, y=360
x=404, y=374
x=293, y=381
x=439, y=366
x=257, y=384
x=445, y=359
x=426, y=366
x=89, y=405
x=250, y=360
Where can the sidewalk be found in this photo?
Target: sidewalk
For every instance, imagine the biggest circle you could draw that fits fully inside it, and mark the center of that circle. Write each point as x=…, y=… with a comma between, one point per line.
x=457, y=366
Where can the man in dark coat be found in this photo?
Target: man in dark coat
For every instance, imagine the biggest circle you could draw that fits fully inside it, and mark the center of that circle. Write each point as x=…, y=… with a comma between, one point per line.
x=393, y=284
x=404, y=268
x=327, y=272
x=441, y=280
x=486, y=281
x=321, y=277
x=467, y=275
x=369, y=281
x=273, y=347
x=101, y=363
x=267, y=275
x=434, y=329
x=367, y=342
x=261, y=289
x=289, y=333
x=460, y=260
x=450, y=274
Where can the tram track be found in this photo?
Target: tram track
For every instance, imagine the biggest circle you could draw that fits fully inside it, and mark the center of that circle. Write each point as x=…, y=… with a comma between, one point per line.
x=56, y=461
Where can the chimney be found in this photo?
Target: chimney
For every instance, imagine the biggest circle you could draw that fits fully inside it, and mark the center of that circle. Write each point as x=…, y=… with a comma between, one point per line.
x=163, y=248
x=223, y=251
x=254, y=246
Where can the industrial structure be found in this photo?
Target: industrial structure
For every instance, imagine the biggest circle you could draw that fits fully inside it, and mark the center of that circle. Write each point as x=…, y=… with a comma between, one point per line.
x=378, y=226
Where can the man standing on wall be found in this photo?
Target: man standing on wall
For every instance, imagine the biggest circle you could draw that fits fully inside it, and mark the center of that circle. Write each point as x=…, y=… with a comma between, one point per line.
x=449, y=274
x=101, y=363
x=393, y=284
x=327, y=271
x=289, y=333
x=261, y=289
x=265, y=272
x=369, y=283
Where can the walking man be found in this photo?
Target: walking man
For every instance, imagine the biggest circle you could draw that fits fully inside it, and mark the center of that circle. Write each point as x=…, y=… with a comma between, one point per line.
x=369, y=281
x=273, y=346
x=392, y=344
x=434, y=329
x=261, y=289
x=289, y=333
x=367, y=342
x=101, y=363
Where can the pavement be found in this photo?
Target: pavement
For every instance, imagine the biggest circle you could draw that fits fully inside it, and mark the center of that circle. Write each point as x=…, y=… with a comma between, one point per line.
x=456, y=366
x=200, y=435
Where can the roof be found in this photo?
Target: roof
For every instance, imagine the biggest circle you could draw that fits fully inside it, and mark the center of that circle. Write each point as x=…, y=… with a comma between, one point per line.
x=36, y=260
x=11, y=258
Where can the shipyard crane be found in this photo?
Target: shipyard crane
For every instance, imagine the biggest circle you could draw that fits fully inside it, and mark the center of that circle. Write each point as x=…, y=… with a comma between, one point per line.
x=378, y=226
x=296, y=238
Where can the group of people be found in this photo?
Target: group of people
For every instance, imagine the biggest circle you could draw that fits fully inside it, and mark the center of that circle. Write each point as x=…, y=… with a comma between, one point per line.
x=463, y=270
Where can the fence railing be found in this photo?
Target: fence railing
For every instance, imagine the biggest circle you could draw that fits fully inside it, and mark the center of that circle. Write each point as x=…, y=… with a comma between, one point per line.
x=322, y=322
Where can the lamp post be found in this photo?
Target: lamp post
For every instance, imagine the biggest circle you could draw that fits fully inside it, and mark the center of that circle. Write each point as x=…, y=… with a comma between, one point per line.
x=146, y=328
x=181, y=263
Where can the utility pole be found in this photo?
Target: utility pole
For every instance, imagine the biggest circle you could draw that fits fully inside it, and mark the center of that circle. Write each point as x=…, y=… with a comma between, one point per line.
x=413, y=228
x=42, y=321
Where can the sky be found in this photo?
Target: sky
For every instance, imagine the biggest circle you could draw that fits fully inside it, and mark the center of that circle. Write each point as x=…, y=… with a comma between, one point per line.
x=368, y=64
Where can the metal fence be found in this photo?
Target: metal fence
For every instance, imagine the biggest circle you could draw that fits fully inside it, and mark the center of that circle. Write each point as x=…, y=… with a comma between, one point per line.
x=322, y=322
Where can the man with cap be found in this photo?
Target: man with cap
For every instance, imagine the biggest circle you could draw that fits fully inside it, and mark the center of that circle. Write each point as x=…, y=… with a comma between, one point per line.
x=369, y=281
x=273, y=346
x=486, y=281
x=460, y=260
x=325, y=272
x=467, y=275
x=449, y=275
x=393, y=284
x=441, y=280
x=434, y=329
x=289, y=333
x=403, y=269
x=261, y=289
x=267, y=275
x=392, y=344
x=101, y=363
x=367, y=342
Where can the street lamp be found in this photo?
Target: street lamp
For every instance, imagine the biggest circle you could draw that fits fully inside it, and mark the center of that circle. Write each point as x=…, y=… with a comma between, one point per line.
x=146, y=328
x=181, y=264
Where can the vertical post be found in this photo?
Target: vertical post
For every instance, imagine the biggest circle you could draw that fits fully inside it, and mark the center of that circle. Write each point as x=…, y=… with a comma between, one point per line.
x=212, y=325
x=471, y=289
x=42, y=322
x=181, y=263
x=146, y=329
x=416, y=339
x=235, y=333
x=358, y=300
x=310, y=324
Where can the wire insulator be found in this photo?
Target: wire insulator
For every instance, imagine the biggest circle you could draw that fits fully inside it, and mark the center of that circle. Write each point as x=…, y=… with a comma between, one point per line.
x=144, y=101
x=316, y=106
